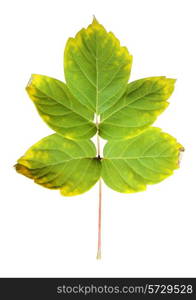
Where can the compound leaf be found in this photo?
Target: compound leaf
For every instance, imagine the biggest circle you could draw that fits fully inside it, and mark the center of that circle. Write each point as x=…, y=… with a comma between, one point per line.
x=97, y=70
x=96, y=67
x=59, y=109
x=128, y=166
x=59, y=163
x=139, y=107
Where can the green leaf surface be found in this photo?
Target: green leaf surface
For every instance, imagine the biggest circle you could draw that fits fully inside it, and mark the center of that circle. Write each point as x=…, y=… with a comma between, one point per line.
x=96, y=67
x=139, y=107
x=128, y=166
x=59, y=163
x=97, y=70
x=59, y=109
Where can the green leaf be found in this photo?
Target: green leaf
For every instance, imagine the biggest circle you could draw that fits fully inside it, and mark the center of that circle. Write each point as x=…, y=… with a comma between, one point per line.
x=59, y=109
x=128, y=166
x=97, y=70
x=139, y=107
x=96, y=67
x=58, y=163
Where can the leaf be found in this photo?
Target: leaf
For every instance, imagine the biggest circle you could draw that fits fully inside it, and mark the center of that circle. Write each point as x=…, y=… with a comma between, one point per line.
x=97, y=70
x=143, y=101
x=128, y=166
x=59, y=109
x=58, y=163
x=96, y=67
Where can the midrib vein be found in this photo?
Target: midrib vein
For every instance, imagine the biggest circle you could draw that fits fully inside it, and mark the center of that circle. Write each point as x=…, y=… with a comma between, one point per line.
x=137, y=157
x=96, y=60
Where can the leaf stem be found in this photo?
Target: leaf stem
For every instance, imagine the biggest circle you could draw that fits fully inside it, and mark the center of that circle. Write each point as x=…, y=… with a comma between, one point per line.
x=98, y=141
x=100, y=196
x=99, y=222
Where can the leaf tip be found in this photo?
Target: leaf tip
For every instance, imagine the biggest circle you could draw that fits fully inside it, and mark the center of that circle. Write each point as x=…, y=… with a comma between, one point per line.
x=22, y=170
x=29, y=86
x=14, y=166
x=180, y=154
x=95, y=20
x=172, y=81
x=29, y=82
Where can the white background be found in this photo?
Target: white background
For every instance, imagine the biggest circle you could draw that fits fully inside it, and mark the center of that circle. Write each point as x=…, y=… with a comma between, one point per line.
x=145, y=234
